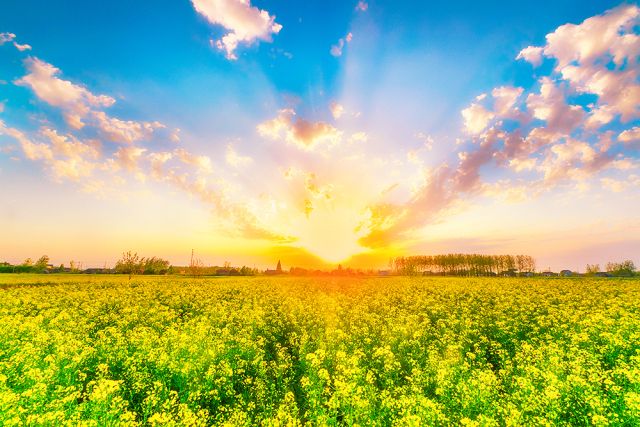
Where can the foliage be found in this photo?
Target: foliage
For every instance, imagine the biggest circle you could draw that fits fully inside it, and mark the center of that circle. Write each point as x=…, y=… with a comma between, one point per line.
x=78, y=350
x=592, y=269
x=155, y=265
x=196, y=267
x=130, y=264
x=464, y=264
x=42, y=263
x=623, y=269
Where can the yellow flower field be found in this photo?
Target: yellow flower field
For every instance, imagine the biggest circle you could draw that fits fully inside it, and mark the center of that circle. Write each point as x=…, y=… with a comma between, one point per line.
x=100, y=350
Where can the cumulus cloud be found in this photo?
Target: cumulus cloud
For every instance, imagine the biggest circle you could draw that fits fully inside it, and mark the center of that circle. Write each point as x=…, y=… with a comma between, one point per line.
x=299, y=132
x=99, y=169
x=245, y=23
x=11, y=38
x=550, y=141
x=236, y=160
x=64, y=157
x=514, y=144
x=358, y=137
x=69, y=146
x=128, y=157
x=124, y=131
x=6, y=37
x=630, y=135
x=505, y=100
x=336, y=50
x=600, y=56
x=80, y=106
x=31, y=150
x=21, y=47
x=573, y=159
x=362, y=6
x=531, y=54
x=74, y=99
x=336, y=110
x=427, y=140
x=550, y=105
x=476, y=118
x=202, y=164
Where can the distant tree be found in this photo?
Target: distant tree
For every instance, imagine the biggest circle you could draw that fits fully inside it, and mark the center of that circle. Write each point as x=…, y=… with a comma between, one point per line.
x=155, y=265
x=42, y=263
x=130, y=264
x=592, y=269
x=27, y=263
x=196, y=266
x=625, y=268
x=246, y=271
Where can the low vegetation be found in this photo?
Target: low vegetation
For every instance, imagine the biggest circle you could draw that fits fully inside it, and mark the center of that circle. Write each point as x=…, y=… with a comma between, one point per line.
x=103, y=350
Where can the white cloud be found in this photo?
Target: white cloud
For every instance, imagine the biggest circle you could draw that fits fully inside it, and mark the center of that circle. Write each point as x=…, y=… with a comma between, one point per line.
x=6, y=37
x=245, y=23
x=359, y=137
x=75, y=100
x=300, y=132
x=476, y=118
x=22, y=47
x=336, y=110
x=128, y=158
x=336, y=50
x=630, y=135
x=124, y=131
x=236, y=160
x=362, y=6
x=203, y=164
x=531, y=54
x=600, y=56
x=68, y=146
x=79, y=106
x=551, y=106
x=505, y=99
x=427, y=140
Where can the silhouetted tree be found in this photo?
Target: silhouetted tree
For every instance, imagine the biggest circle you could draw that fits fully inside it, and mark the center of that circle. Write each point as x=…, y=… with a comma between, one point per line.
x=42, y=263
x=130, y=264
x=625, y=268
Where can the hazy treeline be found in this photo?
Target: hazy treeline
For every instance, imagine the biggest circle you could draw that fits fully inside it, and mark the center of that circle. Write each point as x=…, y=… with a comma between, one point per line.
x=131, y=264
x=464, y=264
x=29, y=266
x=620, y=269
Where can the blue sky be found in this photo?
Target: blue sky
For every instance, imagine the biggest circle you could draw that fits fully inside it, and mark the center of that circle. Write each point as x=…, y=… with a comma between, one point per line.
x=467, y=47
x=405, y=74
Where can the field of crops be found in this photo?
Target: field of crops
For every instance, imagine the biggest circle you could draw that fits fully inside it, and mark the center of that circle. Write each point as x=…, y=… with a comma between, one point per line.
x=91, y=350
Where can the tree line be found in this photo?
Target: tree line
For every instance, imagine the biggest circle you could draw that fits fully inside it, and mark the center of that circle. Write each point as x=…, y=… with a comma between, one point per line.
x=464, y=265
x=625, y=268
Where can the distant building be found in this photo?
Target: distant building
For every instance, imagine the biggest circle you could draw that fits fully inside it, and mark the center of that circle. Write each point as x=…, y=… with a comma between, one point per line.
x=548, y=274
x=566, y=273
x=275, y=272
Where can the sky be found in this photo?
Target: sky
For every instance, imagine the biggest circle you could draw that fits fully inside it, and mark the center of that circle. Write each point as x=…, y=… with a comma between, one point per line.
x=319, y=132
